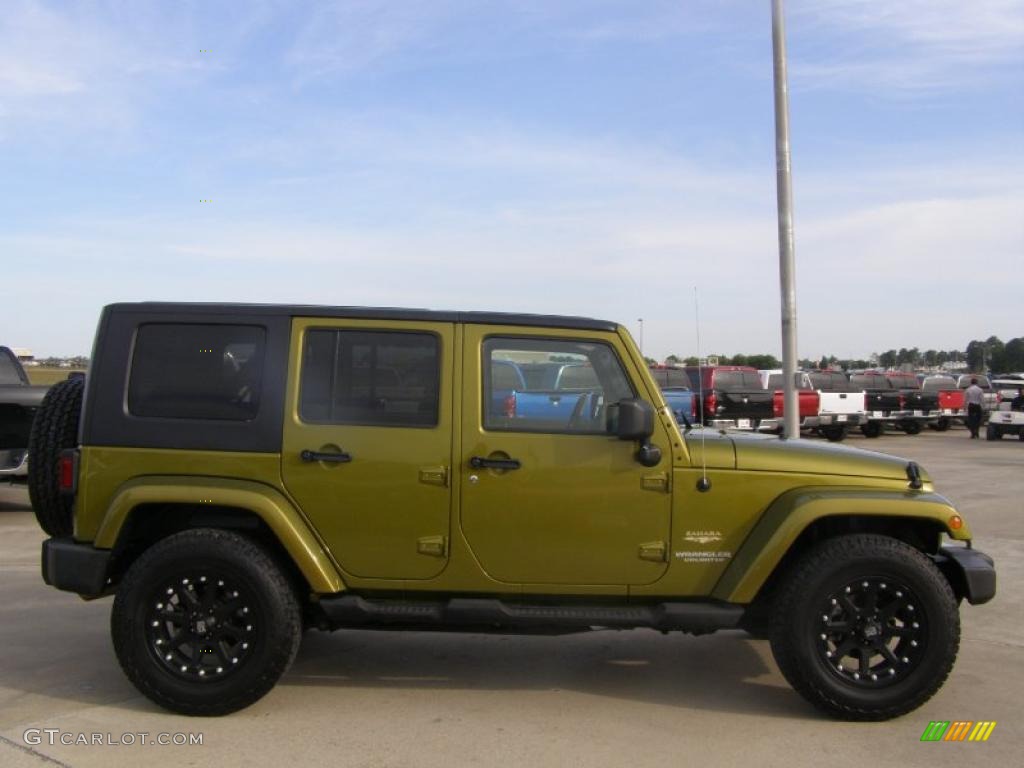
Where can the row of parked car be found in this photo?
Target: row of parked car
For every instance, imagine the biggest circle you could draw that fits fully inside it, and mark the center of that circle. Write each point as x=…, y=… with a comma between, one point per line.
x=830, y=402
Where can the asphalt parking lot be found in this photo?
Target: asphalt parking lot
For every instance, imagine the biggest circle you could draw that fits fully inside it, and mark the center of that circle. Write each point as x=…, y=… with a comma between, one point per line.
x=636, y=698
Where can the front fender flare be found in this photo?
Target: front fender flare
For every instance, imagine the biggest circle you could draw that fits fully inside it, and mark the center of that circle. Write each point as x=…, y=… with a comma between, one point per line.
x=269, y=504
x=790, y=514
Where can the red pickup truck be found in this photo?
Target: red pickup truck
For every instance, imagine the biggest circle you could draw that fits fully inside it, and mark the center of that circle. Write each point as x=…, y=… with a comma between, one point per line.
x=951, y=400
x=809, y=401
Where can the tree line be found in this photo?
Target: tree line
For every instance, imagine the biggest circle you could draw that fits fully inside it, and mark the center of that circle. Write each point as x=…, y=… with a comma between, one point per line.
x=988, y=355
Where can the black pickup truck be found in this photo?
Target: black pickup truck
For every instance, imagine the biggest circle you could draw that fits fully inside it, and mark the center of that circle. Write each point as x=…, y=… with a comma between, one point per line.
x=19, y=401
x=893, y=398
x=922, y=405
x=731, y=396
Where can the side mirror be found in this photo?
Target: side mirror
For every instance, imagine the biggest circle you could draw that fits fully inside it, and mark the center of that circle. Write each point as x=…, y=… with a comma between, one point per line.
x=631, y=419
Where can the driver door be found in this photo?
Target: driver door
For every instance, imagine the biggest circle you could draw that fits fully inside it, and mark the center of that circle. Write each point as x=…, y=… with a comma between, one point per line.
x=548, y=497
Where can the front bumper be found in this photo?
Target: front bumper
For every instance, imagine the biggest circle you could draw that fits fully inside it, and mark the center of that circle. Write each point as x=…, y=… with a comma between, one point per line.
x=75, y=567
x=971, y=573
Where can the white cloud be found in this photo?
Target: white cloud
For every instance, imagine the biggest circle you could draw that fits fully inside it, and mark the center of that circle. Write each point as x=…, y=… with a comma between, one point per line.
x=907, y=47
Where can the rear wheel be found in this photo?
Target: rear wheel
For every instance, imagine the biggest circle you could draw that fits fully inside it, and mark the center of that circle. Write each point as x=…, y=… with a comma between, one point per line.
x=834, y=434
x=911, y=427
x=941, y=425
x=54, y=428
x=205, y=622
x=992, y=432
x=865, y=627
x=871, y=429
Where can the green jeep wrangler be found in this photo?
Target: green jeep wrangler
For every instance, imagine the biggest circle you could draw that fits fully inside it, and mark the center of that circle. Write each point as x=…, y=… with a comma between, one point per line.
x=237, y=474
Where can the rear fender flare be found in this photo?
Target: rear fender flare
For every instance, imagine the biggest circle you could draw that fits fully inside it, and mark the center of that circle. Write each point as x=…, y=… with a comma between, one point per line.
x=267, y=503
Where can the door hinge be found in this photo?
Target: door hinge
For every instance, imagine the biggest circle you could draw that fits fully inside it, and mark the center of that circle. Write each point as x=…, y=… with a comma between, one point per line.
x=435, y=546
x=655, y=482
x=434, y=476
x=654, y=551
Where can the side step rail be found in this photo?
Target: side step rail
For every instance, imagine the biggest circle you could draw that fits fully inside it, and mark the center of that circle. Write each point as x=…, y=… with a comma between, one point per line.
x=488, y=614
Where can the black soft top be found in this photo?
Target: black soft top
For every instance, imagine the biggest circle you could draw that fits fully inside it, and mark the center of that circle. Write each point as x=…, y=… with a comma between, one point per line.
x=364, y=313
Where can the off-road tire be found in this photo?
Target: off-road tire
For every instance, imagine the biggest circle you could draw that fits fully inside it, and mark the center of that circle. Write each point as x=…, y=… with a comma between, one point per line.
x=234, y=653
x=871, y=429
x=992, y=432
x=54, y=428
x=818, y=621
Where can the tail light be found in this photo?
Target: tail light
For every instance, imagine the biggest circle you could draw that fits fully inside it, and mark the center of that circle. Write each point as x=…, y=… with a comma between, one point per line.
x=710, y=404
x=777, y=404
x=67, y=471
x=693, y=409
x=510, y=406
x=903, y=401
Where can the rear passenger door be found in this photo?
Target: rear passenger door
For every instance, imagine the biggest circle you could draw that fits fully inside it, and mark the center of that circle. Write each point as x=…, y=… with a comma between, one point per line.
x=367, y=441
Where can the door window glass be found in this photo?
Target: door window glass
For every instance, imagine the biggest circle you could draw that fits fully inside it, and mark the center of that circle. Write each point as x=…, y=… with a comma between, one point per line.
x=549, y=385
x=370, y=378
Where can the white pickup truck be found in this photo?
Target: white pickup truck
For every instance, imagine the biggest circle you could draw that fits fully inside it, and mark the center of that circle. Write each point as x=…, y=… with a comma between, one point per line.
x=839, y=405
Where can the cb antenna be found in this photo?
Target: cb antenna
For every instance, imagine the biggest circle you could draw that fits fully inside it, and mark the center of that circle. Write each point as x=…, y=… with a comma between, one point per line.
x=703, y=484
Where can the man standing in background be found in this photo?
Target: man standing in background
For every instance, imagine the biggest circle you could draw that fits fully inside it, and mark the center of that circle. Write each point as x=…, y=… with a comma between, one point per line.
x=974, y=396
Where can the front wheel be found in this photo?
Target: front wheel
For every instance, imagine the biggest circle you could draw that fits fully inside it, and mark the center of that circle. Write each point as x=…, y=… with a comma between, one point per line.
x=992, y=432
x=866, y=627
x=911, y=427
x=205, y=622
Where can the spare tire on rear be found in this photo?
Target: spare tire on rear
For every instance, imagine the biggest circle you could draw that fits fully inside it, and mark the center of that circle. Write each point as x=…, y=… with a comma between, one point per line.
x=54, y=429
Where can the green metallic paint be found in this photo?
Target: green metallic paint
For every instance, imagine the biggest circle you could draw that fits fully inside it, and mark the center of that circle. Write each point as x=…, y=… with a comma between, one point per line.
x=763, y=453
x=373, y=512
x=102, y=471
x=576, y=512
x=794, y=510
x=270, y=505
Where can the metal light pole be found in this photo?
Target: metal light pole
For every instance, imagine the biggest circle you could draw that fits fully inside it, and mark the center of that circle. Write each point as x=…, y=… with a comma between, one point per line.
x=784, y=193
x=641, y=321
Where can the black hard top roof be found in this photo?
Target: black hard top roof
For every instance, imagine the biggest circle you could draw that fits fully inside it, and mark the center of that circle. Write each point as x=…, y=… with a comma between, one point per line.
x=363, y=313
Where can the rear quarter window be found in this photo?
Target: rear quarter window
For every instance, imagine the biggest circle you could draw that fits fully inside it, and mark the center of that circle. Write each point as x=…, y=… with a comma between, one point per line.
x=196, y=371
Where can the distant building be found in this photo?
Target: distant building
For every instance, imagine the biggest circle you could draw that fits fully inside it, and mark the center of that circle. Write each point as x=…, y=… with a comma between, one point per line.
x=24, y=355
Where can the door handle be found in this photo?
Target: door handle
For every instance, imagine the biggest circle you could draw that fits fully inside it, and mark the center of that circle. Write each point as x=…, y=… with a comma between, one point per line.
x=337, y=458
x=479, y=462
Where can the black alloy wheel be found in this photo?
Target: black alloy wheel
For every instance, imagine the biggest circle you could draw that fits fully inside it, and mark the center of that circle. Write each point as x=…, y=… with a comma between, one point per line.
x=873, y=632
x=205, y=622
x=865, y=627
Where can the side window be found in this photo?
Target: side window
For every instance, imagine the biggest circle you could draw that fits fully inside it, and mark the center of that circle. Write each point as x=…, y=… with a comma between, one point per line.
x=566, y=386
x=370, y=378
x=185, y=371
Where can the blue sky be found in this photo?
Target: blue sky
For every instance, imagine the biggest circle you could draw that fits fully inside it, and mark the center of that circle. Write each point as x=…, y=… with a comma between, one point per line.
x=581, y=157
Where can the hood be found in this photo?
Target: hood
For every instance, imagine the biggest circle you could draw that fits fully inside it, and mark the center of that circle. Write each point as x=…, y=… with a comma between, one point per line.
x=775, y=455
x=763, y=453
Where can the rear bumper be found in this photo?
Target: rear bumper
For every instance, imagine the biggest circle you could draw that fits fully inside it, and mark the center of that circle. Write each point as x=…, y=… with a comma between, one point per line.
x=14, y=462
x=971, y=573
x=843, y=419
x=74, y=567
